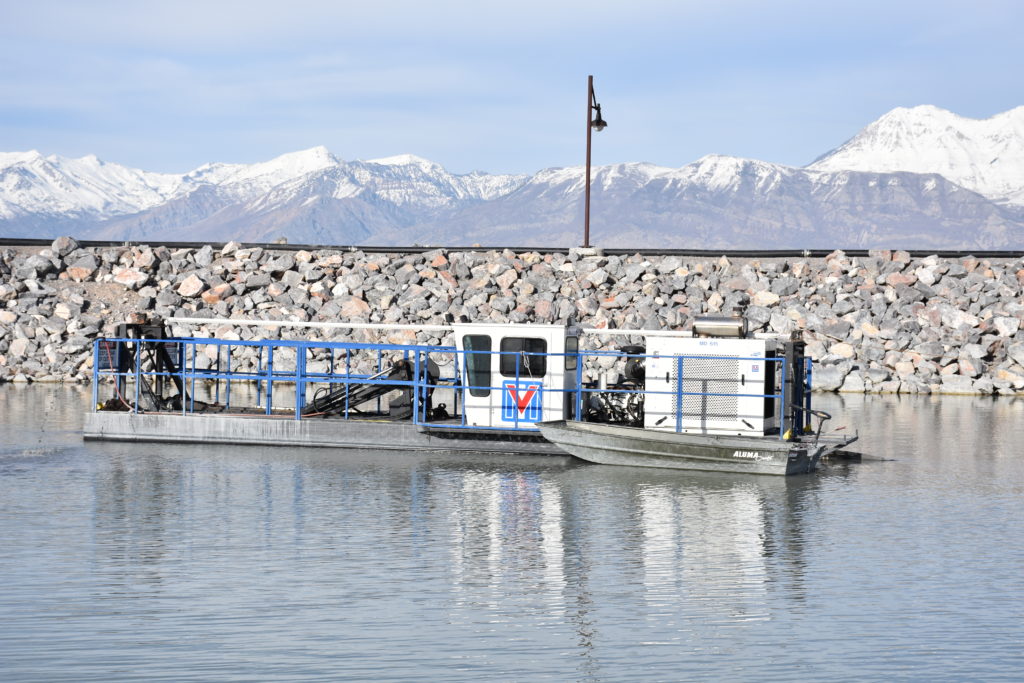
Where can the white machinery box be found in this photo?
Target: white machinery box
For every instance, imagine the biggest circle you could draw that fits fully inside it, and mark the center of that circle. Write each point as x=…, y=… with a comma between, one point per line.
x=723, y=385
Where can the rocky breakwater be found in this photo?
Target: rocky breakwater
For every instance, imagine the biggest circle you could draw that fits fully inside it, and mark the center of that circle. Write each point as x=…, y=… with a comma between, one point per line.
x=882, y=323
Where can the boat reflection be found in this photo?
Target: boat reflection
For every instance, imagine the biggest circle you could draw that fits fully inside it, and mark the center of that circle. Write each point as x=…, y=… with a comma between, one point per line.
x=711, y=543
x=495, y=541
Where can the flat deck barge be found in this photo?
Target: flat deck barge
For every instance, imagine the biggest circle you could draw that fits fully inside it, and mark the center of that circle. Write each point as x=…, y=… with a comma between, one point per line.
x=498, y=388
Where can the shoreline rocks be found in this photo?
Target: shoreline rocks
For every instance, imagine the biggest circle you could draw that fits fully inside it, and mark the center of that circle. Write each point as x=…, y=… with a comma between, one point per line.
x=882, y=323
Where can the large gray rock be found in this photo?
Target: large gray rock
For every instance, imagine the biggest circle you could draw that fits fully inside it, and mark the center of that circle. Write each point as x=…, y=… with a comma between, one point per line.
x=191, y=286
x=931, y=350
x=957, y=384
x=130, y=277
x=204, y=257
x=1016, y=352
x=62, y=246
x=1006, y=326
x=280, y=264
x=830, y=377
x=853, y=383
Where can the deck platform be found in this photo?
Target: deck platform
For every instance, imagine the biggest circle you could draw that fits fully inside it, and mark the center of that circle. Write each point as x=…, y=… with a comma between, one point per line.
x=247, y=429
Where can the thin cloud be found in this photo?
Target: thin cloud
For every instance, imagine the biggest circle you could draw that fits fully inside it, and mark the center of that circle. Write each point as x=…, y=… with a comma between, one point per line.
x=495, y=86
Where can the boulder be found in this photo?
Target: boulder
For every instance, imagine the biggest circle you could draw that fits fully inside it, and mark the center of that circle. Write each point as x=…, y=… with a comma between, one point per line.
x=280, y=264
x=853, y=383
x=354, y=307
x=597, y=277
x=217, y=294
x=191, y=286
x=1016, y=352
x=765, y=298
x=830, y=377
x=19, y=348
x=957, y=384
x=67, y=311
x=62, y=246
x=204, y=256
x=508, y=278
x=1006, y=327
x=842, y=349
x=130, y=277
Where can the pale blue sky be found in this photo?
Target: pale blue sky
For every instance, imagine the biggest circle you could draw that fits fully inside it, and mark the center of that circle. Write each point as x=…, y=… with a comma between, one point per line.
x=499, y=87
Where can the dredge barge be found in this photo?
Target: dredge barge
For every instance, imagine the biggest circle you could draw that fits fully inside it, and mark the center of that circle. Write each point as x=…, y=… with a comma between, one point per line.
x=716, y=398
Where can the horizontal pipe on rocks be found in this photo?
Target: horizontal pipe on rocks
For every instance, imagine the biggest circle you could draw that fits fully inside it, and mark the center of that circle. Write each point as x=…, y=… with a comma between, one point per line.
x=395, y=326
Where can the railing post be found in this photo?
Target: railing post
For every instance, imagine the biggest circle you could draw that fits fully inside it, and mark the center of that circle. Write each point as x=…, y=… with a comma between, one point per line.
x=579, y=386
x=515, y=401
x=348, y=379
x=380, y=362
x=679, y=394
x=782, y=400
x=181, y=364
x=259, y=373
x=192, y=391
x=464, y=381
x=300, y=382
x=270, y=379
x=216, y=397
x=808, y=388
x=121, y=374
x=416, y=390
x=95, y=374
x=455, y=383
x=227, y=381
x=138, y=371
x=427, y=387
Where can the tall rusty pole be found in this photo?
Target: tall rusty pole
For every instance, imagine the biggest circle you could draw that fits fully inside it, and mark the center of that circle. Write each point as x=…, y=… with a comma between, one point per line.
x=598, y=124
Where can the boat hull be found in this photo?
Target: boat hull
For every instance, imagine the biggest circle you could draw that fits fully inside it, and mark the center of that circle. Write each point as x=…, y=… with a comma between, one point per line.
x=317, y=433
x=617, y=445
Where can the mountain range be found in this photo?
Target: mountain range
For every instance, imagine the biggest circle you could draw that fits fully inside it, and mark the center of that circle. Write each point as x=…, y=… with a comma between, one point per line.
x=919, y=178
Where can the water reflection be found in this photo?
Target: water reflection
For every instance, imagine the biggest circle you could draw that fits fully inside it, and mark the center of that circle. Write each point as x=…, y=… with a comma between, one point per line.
x=722, y=533
x=528, y=567
x=506, y=545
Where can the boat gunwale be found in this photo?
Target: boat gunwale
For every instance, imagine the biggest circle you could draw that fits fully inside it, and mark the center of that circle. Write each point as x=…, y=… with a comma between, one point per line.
x=766, y=443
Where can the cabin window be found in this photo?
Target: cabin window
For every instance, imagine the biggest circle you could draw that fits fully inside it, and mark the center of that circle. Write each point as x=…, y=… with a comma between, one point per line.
x=572, y=347
x=530, y=354
x=478, y=365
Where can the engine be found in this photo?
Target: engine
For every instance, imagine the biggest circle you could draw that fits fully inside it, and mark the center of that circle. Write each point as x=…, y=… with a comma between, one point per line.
x=620, y=401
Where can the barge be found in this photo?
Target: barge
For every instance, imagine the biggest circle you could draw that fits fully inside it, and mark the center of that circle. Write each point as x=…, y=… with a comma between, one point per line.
x=716, y=398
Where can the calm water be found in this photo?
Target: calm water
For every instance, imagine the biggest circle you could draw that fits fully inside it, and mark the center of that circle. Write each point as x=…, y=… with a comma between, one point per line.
x=245, y=563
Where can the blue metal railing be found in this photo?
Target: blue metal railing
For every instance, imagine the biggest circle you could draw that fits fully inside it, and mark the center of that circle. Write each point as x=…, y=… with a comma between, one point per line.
x=266, y=374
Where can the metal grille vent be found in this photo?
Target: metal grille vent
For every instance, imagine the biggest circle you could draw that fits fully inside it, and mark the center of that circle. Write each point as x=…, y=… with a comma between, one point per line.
x=701, y=376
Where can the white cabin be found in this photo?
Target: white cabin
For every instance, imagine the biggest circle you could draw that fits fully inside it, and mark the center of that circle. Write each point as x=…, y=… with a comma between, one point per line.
x=516, y=375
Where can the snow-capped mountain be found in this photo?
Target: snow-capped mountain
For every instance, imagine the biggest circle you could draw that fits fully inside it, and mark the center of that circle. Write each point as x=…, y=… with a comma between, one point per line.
x=244, y=182
x=33, y=184
x=983, y=155
x=916, y=178
x=308, y=195
x=721, y=202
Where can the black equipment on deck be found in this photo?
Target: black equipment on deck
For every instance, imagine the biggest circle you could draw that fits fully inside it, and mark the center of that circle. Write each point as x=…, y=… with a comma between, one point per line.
x=349, y=396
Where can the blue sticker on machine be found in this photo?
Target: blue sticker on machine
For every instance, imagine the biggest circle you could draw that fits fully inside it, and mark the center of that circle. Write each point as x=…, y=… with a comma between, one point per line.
x=521, y=402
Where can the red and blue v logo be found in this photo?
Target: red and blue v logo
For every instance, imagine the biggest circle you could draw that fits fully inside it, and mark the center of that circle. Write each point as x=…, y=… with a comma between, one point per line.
x=521, y=402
